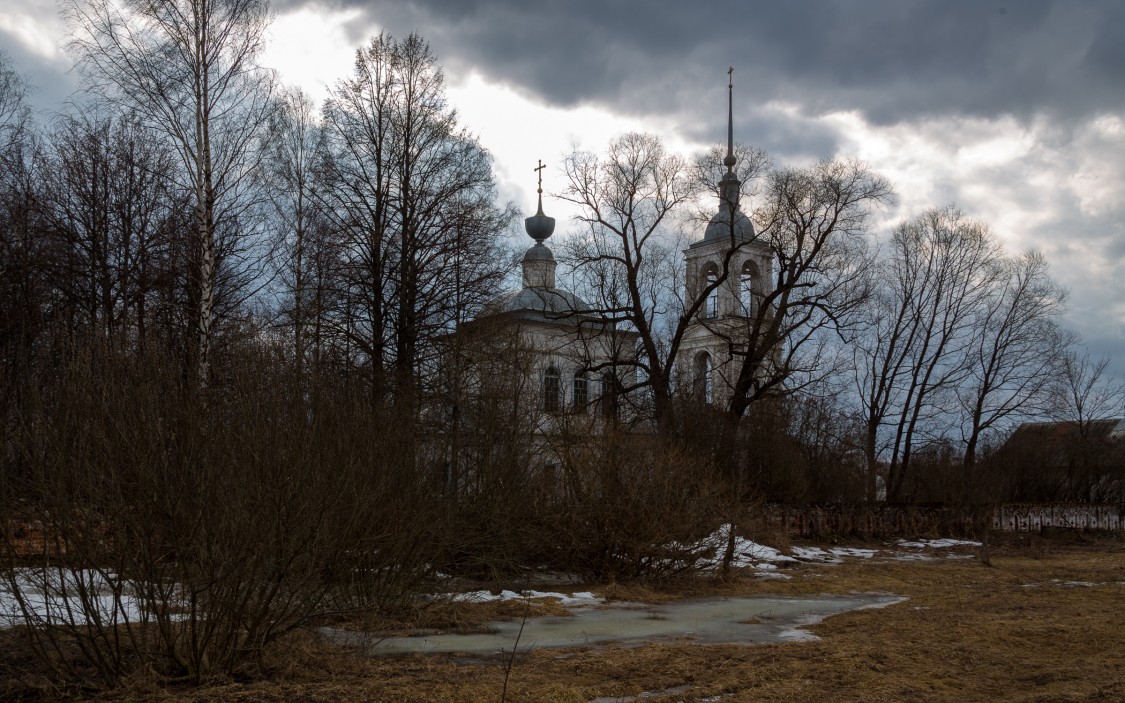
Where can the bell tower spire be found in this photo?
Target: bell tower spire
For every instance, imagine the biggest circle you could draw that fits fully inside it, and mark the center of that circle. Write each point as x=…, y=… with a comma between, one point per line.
x=729, y=185
x=730, y=161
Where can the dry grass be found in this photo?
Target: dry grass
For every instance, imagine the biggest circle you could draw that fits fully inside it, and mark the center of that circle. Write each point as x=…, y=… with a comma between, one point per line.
x=1013, y=632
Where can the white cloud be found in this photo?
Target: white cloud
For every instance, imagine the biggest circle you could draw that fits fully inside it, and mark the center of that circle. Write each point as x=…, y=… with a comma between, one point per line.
x=519, y=131
x=310, y=47
x=1058, y=190
x=37, y=27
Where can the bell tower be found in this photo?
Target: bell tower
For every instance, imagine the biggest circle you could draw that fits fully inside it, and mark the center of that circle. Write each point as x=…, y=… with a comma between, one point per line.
x=729, y=270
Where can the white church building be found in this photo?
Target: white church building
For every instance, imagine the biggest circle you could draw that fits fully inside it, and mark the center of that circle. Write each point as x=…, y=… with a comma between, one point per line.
x=579, y=364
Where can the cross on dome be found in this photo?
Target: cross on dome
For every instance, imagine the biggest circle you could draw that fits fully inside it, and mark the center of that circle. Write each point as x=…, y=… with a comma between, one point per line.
x=539, y=169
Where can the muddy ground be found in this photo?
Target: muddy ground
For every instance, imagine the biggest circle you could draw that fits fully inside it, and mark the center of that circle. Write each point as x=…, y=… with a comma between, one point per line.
x=1045, y=622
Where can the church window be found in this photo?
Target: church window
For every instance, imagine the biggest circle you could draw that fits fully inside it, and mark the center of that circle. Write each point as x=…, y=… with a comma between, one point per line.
x=552, y=388
x=701, y=382
x=608, y=399
x=710, y=276
x=581, y=396
x=746, y=288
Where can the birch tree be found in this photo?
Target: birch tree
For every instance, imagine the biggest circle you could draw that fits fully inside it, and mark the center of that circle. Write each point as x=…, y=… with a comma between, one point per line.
x=188, y=67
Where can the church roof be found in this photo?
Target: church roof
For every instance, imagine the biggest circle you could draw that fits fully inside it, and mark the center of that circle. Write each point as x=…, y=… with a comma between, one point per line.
x=544, y=304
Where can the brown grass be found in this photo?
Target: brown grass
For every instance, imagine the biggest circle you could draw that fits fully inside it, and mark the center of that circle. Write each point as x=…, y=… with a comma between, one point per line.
x=1013, y=632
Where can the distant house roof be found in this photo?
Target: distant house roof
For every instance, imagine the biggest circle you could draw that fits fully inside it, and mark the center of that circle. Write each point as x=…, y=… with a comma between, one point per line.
x=1111, y=429
x=1054, y=441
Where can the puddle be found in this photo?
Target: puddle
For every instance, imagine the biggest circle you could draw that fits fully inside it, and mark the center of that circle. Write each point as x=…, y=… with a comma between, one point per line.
x=710, y=621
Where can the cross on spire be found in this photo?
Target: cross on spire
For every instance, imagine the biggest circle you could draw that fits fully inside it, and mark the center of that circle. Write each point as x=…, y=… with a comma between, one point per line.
x=539, y=169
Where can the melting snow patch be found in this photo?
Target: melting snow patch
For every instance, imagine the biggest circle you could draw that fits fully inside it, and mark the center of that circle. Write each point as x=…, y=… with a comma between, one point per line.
x=937, y=543
x=908, y=556
x=584, y=598
x=71, y=597
x=854, y=552
x=814, y=554
x=746, y=552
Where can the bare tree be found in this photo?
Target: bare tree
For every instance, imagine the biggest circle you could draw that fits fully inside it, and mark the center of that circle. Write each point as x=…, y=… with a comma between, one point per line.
x=1088, y=400
x=632, y=204
x=22, y=288
x=304, y=250
x=110, y=219
x=913, y=356
x=188, y=67
x=814, y=221
x=1084, y=391
x=413, y=197
x=1015, y=351
x=15, y=115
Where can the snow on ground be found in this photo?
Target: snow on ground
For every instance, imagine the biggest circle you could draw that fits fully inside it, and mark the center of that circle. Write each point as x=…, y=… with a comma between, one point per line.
x=854, y=552
x=1073, y=584
x=66, y=597
x=52, y=595
x=766, y=560
x=584, y=598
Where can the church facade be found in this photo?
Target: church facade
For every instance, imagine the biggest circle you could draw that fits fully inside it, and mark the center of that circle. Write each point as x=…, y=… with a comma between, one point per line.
x=579, y=364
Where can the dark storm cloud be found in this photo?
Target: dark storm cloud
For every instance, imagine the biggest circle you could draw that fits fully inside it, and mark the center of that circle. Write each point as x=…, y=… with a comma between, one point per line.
x=892, y=60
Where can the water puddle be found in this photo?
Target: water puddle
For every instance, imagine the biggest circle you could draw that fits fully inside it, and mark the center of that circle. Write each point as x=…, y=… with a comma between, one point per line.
x=710, y=621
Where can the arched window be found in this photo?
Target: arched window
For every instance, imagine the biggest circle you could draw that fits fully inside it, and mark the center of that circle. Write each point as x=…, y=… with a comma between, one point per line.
x=701, y=377
x=746, y=288
x=710, y=276
x=581, y=396
x=552, y=388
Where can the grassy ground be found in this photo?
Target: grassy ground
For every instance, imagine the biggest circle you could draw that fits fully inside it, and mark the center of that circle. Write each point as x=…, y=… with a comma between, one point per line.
x=1045, y=623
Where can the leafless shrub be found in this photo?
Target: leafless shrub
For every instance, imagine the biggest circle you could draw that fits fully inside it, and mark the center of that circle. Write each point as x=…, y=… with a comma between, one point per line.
x=633, y=507
x=496, y=471
x=185, y=534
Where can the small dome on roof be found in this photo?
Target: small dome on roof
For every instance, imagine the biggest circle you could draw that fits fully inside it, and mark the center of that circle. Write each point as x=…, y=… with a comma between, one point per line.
x=539, y=299
x=719, y=228
x=538, y=252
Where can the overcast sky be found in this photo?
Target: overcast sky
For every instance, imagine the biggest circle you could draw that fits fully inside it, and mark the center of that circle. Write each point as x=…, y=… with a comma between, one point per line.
x=1014, y=110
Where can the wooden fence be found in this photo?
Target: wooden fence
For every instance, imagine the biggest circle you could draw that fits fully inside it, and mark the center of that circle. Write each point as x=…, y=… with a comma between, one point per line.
x=930, y=520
